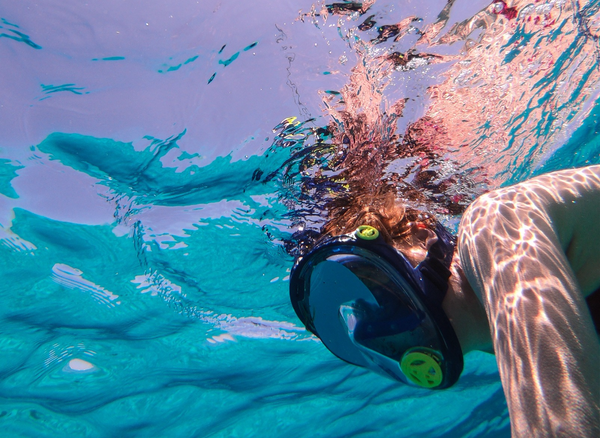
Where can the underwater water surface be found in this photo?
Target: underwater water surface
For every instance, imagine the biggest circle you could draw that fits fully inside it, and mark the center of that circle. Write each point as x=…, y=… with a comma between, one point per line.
x=153, y=164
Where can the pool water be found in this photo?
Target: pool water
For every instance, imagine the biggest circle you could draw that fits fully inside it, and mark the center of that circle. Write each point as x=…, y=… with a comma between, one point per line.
x=149, y=182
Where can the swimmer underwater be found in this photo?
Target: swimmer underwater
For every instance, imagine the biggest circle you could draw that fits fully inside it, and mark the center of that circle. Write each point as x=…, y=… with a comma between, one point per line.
x=389, y=289
x=386, y=287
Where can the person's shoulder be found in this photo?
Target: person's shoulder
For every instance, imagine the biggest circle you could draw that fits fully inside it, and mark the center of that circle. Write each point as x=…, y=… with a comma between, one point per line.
x=562, y=206
x=563, y=186
x=564, y=191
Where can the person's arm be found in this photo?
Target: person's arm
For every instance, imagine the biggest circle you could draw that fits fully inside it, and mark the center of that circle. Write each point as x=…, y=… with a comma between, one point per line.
x=532, y=253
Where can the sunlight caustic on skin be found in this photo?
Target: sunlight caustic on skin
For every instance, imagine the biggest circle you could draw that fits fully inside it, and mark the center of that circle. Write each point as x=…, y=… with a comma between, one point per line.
x=523, y=74
x=203, y=235
x=534, y=290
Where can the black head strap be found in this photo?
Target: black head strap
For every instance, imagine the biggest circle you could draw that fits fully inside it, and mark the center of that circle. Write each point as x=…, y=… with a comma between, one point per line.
x=435, y=268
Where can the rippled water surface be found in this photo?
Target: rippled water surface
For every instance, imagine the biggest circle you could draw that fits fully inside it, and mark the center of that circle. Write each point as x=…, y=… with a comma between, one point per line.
x=157, y=157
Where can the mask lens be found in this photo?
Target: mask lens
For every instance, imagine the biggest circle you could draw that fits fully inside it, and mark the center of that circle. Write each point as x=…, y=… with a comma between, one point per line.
x=365, y=315
x=371, y=308
x=389, y=345
x=375, y=360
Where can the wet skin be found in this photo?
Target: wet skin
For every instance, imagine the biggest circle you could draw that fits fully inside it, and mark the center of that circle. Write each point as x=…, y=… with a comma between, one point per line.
x=531, y=254
x=527, y=256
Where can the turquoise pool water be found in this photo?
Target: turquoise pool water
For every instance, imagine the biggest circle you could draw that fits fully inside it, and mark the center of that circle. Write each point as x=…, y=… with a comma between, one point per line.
x=149, y=191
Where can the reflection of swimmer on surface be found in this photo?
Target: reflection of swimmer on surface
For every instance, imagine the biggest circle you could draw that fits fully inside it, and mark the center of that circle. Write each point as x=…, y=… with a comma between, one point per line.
x=531, y=255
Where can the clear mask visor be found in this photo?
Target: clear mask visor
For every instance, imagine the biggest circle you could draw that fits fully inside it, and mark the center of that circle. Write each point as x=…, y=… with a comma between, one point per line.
x=385, y=344
x=367, y=315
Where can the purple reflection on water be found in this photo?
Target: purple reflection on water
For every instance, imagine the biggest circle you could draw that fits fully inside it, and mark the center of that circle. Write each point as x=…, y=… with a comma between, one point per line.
x=118, y=56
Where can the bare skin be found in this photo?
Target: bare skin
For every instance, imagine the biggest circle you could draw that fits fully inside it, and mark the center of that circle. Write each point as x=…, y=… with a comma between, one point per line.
x=527, y=257
x=461, y=305
x=531, y=253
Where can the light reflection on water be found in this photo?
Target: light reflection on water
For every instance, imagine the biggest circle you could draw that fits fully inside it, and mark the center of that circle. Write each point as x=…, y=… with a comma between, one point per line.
x=146, y=198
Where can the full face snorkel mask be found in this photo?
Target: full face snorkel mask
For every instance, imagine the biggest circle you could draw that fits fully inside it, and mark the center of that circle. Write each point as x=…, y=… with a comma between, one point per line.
x=371, y=308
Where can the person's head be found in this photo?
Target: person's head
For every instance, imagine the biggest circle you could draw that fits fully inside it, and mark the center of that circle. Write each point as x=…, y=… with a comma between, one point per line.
x=410, y=231
x=373, y=292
